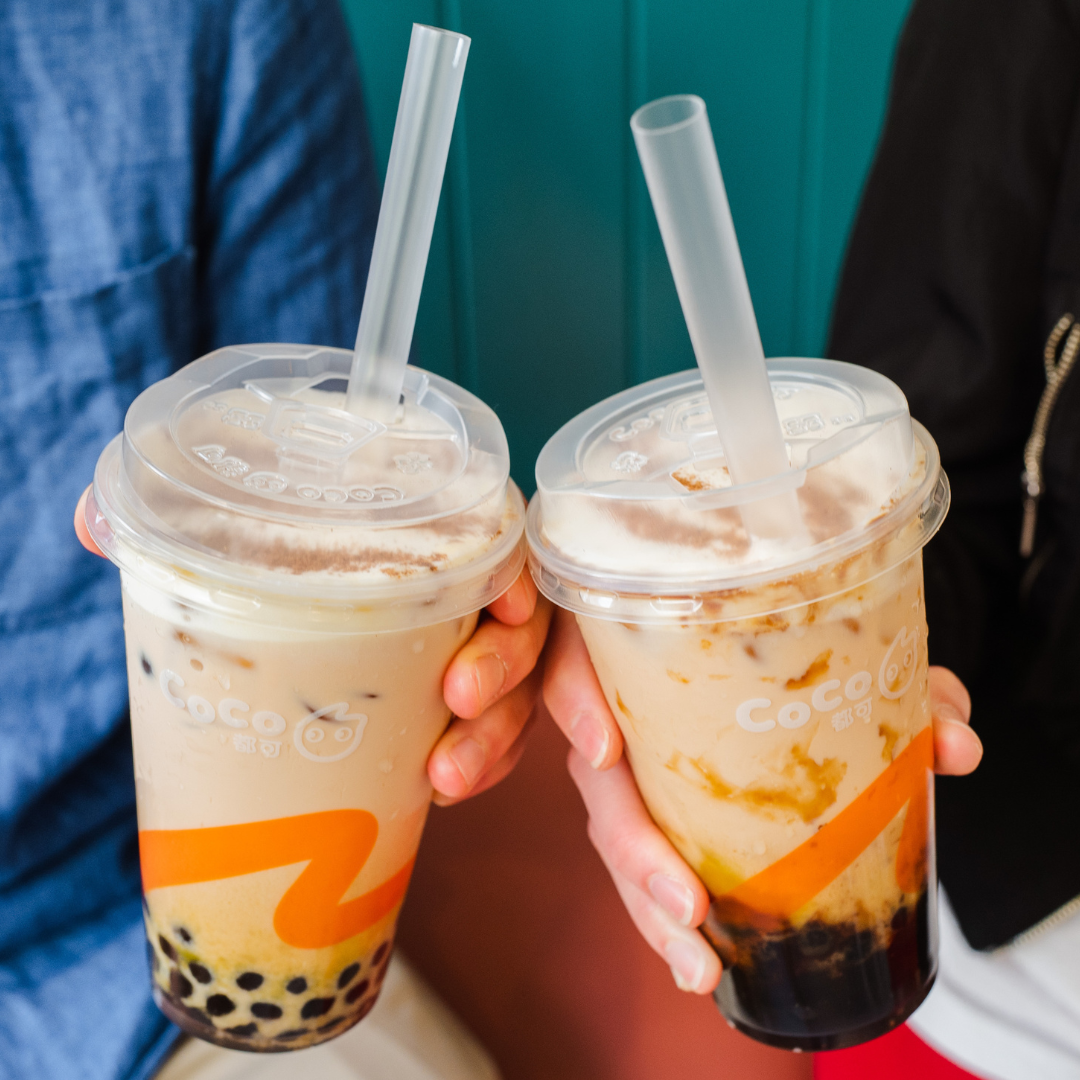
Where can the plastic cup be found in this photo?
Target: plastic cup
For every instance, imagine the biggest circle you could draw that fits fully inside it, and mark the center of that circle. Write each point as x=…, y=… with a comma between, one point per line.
x=772, y=694
x=295, y=582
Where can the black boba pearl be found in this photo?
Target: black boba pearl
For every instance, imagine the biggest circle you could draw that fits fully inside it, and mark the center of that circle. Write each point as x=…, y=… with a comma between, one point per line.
x=183, y=933
x=380, y=952
x=357, y=992
x=179, y=986
x=219, y=1005
x=250, y=980
x=316, y=1007
x=333, y=1024
x=297, y=985
x=288, y=1036
x=166, y=947
x=200, y=973
x=347, y=976
x=243, y=1029
x=146, y=665
x=265, y=1011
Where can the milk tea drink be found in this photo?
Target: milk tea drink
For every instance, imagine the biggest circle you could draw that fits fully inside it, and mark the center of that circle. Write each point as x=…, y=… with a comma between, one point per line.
x=295, y=582
x=772, y=694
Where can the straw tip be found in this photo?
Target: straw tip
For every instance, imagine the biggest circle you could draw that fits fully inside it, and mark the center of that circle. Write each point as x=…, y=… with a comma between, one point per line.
x=667, y=114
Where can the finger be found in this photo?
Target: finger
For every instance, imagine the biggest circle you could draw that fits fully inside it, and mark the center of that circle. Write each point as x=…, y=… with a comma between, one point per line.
x=957, y=748
x=499, y=771
x=493, y=661
x=574, y=698
x=695, y=967
x=948, y=695
x=81, y=531
x=471, y=746
x=632, y=846
x=517, y=604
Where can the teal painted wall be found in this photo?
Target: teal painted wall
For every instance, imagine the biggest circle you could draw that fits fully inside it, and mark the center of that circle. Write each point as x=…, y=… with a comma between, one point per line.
x=547, y=287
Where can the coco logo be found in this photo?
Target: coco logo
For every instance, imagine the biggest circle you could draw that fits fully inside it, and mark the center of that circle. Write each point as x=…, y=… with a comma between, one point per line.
x=895, y=676
x=334, y=722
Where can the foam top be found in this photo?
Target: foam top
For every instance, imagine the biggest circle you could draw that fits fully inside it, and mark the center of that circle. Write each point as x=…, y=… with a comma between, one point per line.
x=245, y=468
x=636, y=515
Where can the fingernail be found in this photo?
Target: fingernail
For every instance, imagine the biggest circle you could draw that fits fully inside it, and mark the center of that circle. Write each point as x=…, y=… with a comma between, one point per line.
x=673, y=896
x=590, y=738
x=468, y=755
x=687, y=963
x=971, y=733
x=490, y=677
x=945, y=711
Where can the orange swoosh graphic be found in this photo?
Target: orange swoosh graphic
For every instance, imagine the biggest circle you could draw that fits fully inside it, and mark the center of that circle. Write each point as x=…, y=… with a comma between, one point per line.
x=793, y=881
x=335, y=844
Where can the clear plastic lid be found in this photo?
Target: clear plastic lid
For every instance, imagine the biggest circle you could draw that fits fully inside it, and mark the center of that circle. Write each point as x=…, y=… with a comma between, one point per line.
x=244, y=469
x=636, y=516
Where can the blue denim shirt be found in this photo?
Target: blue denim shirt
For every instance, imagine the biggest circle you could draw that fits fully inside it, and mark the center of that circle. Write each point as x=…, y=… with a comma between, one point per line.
x=175, y=175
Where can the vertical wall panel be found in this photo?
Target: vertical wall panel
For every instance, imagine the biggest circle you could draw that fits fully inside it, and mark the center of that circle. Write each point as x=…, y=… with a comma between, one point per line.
x=746, y=61
x=548, y=287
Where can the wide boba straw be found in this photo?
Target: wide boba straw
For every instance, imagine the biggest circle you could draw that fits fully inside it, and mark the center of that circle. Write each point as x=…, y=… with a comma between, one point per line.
x=759, y=632
x=296, y=578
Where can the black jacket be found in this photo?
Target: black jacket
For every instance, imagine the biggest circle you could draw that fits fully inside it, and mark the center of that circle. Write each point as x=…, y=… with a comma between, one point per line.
x=964, y=255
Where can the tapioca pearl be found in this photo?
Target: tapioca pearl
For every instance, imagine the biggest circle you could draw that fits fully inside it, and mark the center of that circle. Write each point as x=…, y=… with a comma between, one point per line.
x=347, y=976
x=333, y=1024
x=381, y=973
x=297, y=985
x=146, y=664
x=357, y=992
x=288, y=1036
x=316, y=1007
x=183, y=934
x=219, y=1005
x=250, y=980
x=380, y=952
x=201, y=973
x=264, y=1010
x=179, y=985
x=243, y=1030
x=166, y=947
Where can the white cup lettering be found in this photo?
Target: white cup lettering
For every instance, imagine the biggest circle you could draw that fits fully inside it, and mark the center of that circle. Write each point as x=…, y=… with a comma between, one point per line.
x=225, y=711
x=858, y=686
x=164, y=679
x=746, y=721
x=795, y=714
x=268, y=723
x=200, y=709
x=819, y=699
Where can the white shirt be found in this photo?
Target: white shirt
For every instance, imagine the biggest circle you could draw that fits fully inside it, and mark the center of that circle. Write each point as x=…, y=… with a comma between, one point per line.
x=1009, y=1014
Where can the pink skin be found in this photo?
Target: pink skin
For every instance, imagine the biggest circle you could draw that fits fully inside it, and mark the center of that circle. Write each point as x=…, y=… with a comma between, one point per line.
x=491, y=687
x=663, y=895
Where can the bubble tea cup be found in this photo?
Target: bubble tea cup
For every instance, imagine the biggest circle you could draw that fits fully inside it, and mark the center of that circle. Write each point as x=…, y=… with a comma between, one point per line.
x=772, y=692
x=296, y=580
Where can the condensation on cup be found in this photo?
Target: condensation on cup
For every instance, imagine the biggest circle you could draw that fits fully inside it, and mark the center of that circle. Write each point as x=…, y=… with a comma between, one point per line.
x=772, y=693
x=295, y=580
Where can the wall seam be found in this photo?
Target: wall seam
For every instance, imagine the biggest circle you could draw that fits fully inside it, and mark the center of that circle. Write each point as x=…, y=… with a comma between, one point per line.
x=635, y=195
x=806, y=318
x=459, y=220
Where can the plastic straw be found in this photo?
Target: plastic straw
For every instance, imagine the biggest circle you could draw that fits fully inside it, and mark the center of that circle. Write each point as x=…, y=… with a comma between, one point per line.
x=414, y=176
x=678, y=156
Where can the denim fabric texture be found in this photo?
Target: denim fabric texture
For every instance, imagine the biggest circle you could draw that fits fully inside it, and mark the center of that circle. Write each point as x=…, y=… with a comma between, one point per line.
x=175, y=175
